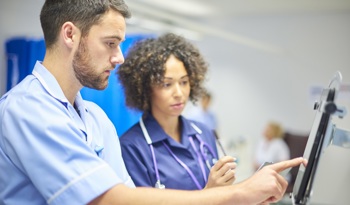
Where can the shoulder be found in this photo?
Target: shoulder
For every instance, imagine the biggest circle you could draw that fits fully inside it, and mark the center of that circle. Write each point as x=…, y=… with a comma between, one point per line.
x=200, y=128
x=280, y=143
x=95, y=109
x=30, y=102
x=132, y=136
x=204, y=128
x=133, y=144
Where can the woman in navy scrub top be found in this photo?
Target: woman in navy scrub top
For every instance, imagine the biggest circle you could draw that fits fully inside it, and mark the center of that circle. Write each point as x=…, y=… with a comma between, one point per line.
x=164, y=149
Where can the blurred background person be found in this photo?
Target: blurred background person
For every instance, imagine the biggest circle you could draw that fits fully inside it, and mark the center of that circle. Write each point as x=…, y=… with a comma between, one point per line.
x=202, y=113
x=271, y=147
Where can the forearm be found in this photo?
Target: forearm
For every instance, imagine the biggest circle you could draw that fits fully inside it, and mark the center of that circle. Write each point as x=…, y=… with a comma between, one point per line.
x=265, y=186
x=121, y=194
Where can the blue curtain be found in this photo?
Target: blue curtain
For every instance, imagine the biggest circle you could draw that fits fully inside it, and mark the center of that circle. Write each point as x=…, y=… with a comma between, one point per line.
x=22, y=54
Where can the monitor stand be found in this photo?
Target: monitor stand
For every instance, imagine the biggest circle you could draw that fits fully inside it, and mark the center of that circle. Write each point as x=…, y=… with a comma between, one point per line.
x=332, y=180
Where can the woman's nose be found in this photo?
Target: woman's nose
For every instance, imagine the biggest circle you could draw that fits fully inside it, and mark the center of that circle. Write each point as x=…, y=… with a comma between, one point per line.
x=178, y=91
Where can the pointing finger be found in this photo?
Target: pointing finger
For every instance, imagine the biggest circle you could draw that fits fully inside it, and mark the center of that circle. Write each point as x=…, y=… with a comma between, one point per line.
x=280, y=166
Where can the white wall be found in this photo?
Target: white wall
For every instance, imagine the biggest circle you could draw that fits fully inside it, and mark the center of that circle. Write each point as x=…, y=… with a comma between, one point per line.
x=250, y=86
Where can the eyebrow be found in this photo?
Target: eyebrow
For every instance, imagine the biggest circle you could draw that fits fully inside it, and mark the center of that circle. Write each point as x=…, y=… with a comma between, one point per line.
x=168, y=78
x=114, y=37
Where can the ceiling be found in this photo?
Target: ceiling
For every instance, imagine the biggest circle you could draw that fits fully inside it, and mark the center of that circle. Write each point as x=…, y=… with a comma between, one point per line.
x=200, y=19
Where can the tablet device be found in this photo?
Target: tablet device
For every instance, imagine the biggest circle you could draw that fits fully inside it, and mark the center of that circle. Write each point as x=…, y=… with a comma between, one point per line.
x=319, y=138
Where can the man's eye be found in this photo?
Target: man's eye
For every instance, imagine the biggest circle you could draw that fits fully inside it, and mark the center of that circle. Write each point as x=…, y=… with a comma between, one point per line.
x=111, y=44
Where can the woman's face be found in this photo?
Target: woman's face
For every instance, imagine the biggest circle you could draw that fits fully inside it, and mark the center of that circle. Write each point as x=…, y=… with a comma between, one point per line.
x=169, y=98
x=269, y=132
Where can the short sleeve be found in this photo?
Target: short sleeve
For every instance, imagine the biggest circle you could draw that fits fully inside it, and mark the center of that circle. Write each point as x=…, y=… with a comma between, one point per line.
x=42, y=141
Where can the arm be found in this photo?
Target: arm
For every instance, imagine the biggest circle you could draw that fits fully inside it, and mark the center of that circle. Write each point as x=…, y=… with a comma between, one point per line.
x=121, y=194
x=264, y=186
x=137, y=160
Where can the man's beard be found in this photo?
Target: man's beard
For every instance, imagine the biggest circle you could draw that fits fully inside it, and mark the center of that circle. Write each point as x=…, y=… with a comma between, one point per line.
x=84, y=70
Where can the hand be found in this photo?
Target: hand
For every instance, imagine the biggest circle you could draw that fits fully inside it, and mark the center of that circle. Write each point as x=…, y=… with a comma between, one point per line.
x=222, y=173
x=267, y=184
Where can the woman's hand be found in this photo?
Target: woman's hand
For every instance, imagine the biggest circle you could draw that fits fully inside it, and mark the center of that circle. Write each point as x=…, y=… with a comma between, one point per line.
x=222, y=173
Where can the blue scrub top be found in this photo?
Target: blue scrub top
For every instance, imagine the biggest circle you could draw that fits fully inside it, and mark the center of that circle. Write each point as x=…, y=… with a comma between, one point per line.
x=139, y=162
x=51, y=155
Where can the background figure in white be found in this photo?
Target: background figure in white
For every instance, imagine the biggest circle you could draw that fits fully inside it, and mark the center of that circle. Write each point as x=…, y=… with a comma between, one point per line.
x=271, y=147
x=203, y=113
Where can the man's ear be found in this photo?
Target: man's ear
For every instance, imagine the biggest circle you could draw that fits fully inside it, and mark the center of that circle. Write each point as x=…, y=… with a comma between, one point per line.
x=69, y=34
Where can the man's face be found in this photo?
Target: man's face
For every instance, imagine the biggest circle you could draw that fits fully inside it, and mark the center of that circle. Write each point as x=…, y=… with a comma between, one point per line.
x=99, y=52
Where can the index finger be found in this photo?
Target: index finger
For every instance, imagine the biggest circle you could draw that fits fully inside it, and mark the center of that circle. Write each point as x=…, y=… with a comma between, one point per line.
x=280, y=166
x=222, y=161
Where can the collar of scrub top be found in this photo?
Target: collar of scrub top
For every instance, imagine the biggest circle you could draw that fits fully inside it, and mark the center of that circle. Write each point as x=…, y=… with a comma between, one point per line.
x=158, y=134
x=202, y=153
x=49, y=82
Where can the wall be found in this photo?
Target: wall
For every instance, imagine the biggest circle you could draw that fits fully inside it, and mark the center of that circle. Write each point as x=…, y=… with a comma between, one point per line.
x=251, y=87
x=17, y=18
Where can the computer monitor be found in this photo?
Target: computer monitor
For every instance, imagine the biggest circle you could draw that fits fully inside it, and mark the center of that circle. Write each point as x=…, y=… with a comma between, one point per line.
x=319, y=137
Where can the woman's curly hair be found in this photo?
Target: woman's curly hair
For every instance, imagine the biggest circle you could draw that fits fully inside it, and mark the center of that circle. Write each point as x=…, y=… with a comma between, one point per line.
x=144, y=67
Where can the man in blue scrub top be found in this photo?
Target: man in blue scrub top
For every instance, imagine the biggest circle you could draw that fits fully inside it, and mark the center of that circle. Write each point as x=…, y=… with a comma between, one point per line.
x=56, y=148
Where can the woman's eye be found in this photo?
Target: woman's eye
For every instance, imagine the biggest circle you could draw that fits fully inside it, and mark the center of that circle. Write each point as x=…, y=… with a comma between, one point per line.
x=166, y=85
x=184, y=82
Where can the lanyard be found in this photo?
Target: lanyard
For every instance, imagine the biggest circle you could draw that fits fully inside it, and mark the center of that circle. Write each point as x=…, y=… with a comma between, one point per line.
x=185, y=167
x=201, y=164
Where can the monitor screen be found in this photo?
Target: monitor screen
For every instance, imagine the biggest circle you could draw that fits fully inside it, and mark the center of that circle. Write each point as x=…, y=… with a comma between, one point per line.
x=319, y=137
